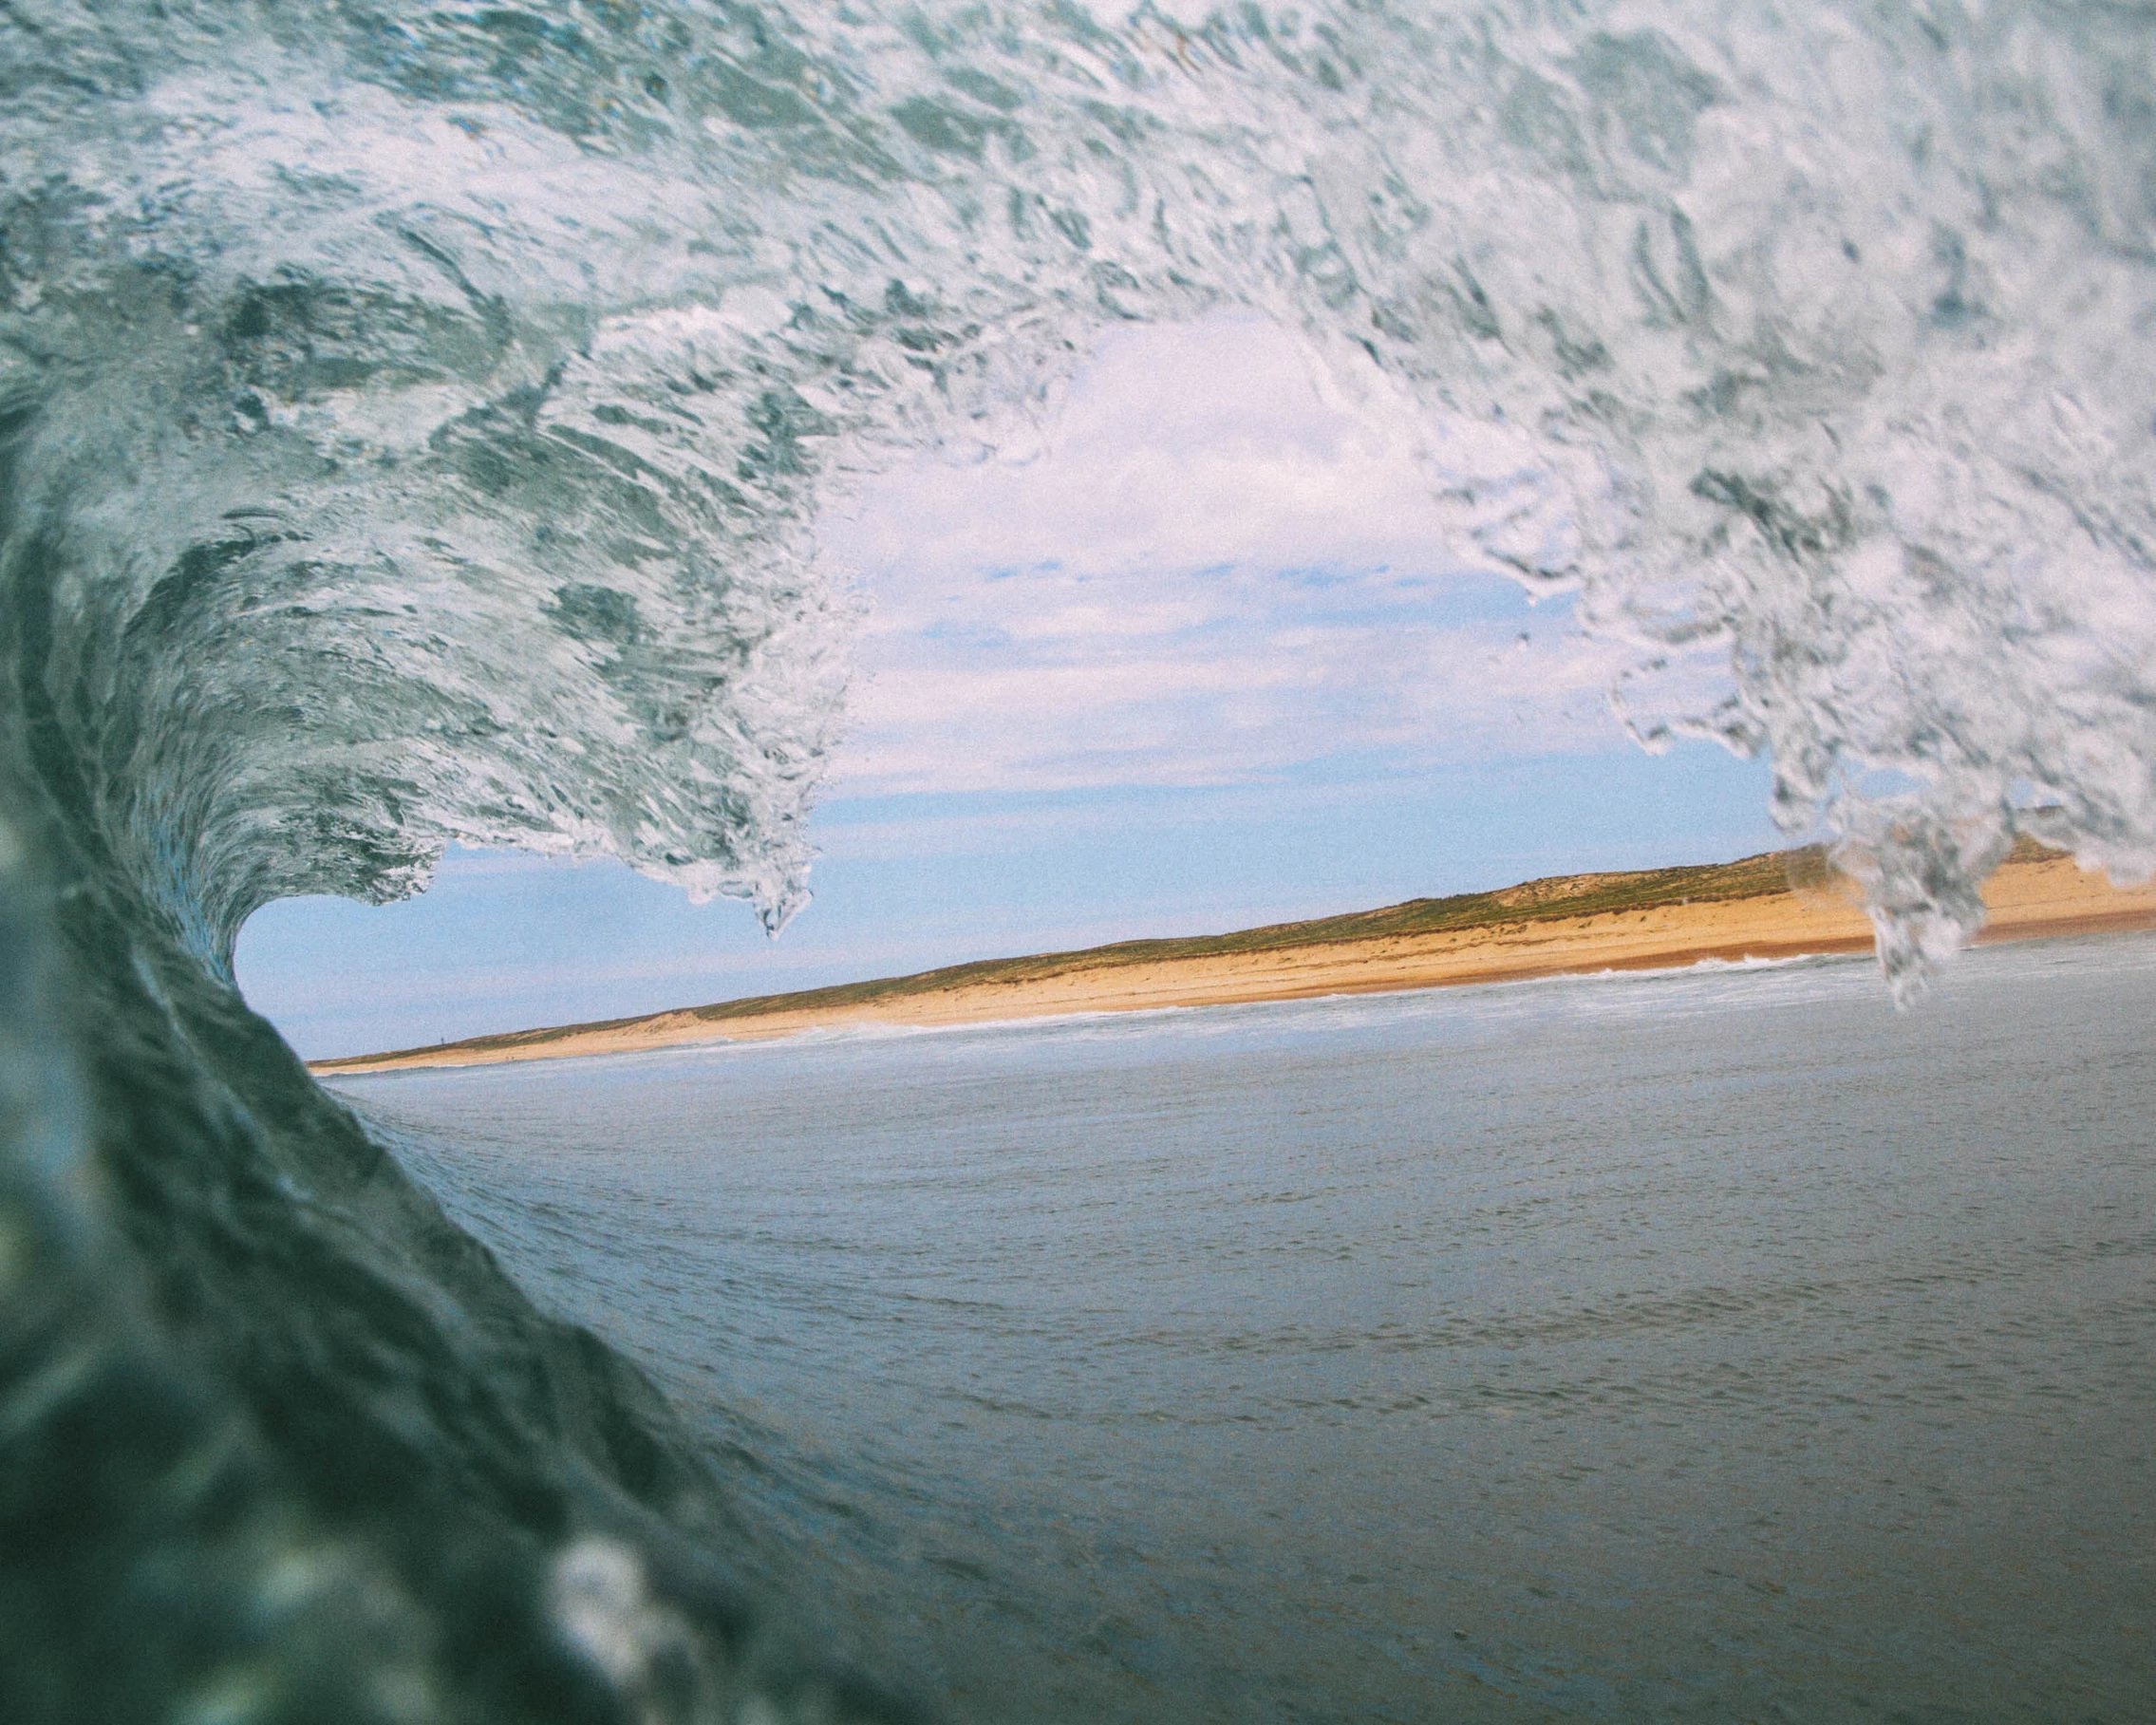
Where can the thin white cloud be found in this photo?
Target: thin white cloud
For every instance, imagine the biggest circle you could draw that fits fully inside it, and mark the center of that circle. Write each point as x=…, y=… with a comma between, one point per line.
x=1234, y=699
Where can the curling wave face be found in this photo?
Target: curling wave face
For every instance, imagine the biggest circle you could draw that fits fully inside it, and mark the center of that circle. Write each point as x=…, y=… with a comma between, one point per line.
x=413, y=419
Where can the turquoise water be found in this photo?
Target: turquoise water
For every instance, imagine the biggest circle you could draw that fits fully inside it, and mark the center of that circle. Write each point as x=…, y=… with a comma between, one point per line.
x=1706, y=1345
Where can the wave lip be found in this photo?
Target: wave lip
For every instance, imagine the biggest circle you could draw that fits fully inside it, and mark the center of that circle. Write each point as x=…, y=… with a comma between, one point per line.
x=424, y=415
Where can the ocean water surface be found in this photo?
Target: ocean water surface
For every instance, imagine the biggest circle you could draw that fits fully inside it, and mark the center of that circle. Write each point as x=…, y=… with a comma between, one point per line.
x=1704, y=1345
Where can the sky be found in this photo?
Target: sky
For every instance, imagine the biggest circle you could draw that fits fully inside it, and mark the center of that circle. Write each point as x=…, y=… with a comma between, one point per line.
x=1189, y=656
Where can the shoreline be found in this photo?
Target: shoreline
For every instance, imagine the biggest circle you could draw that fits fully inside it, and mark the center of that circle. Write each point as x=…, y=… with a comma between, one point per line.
x=1567, y=926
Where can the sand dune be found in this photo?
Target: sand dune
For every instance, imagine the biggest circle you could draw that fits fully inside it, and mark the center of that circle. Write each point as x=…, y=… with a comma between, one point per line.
x=1572, y=923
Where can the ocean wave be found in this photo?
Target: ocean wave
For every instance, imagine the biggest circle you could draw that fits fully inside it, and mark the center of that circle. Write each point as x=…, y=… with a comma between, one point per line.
x=412, y=426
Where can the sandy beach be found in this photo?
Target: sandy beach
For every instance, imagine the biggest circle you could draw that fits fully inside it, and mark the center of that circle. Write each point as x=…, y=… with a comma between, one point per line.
x=1568, y=925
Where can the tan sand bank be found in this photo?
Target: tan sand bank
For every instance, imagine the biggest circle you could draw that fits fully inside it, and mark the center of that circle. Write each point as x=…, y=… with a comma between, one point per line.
x=1581, y=923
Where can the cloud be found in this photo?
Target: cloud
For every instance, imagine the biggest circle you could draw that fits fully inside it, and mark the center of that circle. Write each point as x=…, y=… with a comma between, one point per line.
x=1175, y=448
x=1210, y=569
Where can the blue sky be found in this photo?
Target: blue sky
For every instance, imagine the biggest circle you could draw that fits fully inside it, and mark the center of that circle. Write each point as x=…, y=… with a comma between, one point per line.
x=1189, y=656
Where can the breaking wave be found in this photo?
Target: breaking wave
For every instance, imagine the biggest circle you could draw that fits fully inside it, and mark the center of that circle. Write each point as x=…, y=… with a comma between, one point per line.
x=412, y=424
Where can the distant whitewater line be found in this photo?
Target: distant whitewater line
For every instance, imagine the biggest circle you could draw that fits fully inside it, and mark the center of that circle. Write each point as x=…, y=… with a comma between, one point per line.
x=1781, y=903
